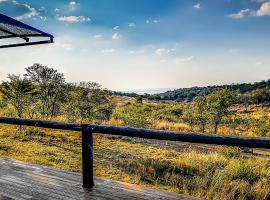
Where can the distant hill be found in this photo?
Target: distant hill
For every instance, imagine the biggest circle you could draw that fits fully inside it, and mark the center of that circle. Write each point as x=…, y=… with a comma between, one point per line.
x=187, y=94
x=149, y=91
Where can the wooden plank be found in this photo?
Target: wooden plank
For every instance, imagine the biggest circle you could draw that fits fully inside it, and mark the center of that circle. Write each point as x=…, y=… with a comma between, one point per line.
x=21, y=181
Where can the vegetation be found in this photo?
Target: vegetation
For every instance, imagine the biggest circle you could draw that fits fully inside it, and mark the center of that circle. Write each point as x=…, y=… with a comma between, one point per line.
x=188, y=94
x=205, y=171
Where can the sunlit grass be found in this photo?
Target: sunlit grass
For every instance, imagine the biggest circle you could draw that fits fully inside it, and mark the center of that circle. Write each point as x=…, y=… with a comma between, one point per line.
x=221, y=174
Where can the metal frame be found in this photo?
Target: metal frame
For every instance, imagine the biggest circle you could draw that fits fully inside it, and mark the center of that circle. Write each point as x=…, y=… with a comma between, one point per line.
x=26, y=37
x=87, y=131
x=26, y=44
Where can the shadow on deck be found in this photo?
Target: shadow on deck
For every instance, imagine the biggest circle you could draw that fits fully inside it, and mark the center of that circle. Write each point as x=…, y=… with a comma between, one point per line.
x=19, y=180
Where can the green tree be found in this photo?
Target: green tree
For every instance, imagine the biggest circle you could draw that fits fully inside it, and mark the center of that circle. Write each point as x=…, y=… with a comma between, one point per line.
x=201, y=112
x=260, y=96
x=219, y=104
x=139, y=99
x=189, y=117
x=51, y=88
x=89, y=102
x=19, y=92
x=134, y=115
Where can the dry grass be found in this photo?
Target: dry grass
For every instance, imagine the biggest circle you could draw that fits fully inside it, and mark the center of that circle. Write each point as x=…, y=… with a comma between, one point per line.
x=206, y=175
x=165, y=125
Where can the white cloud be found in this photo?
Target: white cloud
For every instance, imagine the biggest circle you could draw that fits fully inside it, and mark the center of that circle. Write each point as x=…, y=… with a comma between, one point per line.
x=42, y=18
x=184, y=59
x=25, y=11
x=241, y=14
x=42, y=9
x=116, y=28
x=234, y=51
x=116, y=36
x=108, y=51
x=73, y=5
x=160, y=51
x=131, y=24
x=259, y=1
x=73, y=19
x=97, y=36
x=258, y=63
x=56, y=10
x=64, y=45
x=197, y=6
x=264, y=10
x=155, y=21
x=4, y=55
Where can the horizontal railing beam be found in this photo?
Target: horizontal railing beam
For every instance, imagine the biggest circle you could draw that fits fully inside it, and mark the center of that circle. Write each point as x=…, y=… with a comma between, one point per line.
x=251, y=142
x=41, y=124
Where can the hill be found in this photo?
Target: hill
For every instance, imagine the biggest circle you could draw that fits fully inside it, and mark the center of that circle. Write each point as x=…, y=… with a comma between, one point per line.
x=187, y=94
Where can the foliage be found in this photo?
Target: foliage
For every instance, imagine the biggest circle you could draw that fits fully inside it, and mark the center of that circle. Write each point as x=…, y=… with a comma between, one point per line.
x=139, y=99
x=201, y=112
x=43, y=93
x=188, y=94
x=50, y=86
x=219, y=104
x=260, y=96
x=19, y=92
x=88, y=103
x=135, y=115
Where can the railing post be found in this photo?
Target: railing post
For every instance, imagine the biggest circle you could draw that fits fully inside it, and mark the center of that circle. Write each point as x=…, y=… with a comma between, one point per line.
x=87, y=157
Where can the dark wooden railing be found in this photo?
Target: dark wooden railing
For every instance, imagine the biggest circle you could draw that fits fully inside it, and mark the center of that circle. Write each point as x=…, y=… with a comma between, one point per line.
x=88, y=130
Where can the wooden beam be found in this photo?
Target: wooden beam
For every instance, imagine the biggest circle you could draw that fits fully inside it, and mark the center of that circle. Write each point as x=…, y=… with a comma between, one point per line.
x=252, y=142
x=87, y=157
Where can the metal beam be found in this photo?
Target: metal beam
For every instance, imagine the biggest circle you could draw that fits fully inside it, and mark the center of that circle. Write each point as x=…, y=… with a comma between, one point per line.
x=26, y=44
x=14, y=34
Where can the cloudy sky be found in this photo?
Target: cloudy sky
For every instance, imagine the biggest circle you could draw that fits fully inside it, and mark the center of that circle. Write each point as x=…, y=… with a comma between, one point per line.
x=140, y=44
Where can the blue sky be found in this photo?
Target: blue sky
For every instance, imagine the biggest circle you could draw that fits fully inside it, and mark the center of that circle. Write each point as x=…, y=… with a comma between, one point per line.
x=139, y=44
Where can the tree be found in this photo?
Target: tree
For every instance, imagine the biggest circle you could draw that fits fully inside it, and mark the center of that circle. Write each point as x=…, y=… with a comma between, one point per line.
x=134, y=115
x=18, y=92
x=51, y=88
x=201, y=112
x=88, y=102
x=139, y=99
x=189, y=117
x=219, y=103
x=260, y=96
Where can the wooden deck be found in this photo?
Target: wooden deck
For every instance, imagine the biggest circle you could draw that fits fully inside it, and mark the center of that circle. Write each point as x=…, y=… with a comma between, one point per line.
x=19, y=180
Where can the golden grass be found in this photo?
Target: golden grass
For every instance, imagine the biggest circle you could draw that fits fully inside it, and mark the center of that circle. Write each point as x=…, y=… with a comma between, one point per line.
x=207, y=175
x=165, y=125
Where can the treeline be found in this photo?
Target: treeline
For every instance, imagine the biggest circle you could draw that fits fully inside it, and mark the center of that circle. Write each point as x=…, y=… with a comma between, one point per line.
x=204, y=112
x=217, y=113
x=188, y=94
x=42, y=92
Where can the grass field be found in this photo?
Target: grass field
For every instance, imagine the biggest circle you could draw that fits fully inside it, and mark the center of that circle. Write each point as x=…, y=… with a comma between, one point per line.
x=210, y=174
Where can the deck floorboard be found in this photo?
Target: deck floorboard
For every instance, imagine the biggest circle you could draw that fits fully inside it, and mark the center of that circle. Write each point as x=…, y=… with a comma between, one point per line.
x=21, y=181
